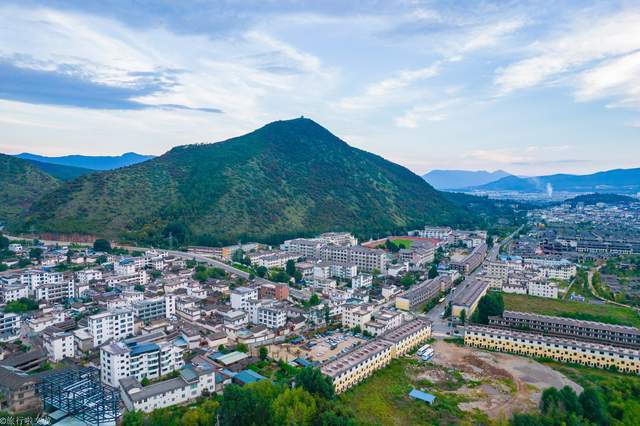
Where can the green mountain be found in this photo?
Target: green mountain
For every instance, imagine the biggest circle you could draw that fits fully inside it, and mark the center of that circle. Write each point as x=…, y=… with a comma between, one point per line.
x=287, y=178
x=59, y=171
x=21, y=183
x=591, y=199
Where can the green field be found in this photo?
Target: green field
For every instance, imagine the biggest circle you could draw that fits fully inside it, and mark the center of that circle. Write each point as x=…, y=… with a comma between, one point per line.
x=403, y=243
x=383, y=399
x=564, y=308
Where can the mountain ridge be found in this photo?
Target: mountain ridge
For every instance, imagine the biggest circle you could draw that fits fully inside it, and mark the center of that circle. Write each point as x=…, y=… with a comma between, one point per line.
x=459, y=179
x=618, y=180
x=97, y=162
x=286, y=178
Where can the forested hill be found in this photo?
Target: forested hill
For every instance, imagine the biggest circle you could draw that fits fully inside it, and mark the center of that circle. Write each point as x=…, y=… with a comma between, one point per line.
x=287, y=178
x=21, y=183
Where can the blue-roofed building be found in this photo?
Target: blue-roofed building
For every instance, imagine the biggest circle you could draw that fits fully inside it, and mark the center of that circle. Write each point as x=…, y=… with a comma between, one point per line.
x=422, y=396
x=246, y=377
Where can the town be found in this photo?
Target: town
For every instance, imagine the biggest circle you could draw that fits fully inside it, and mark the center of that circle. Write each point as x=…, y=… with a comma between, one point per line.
x=143, y=329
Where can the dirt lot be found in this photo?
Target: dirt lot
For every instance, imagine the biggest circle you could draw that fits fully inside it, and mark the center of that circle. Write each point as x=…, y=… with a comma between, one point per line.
x=496, y=383
x=320, y=350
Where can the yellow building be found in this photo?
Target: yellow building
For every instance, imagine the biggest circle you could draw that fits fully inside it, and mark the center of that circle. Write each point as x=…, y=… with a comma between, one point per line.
x=353, y=367
x=559, y=349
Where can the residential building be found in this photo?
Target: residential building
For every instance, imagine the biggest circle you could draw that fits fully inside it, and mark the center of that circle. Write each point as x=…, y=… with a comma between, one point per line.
x=119, y=360
x=543, y=289
x=156, y=307
x=560, y=349
x=421, y=293
x=467, y=296
x=361, y=281
x=356, y=316
x=618, y=335
x=472, y=261
x=58, y=344
x=111, y=325
x=241, y=296
x=64, y=289
x=9, y=326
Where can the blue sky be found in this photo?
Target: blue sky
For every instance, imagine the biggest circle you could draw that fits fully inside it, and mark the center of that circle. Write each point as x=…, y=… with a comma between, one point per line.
x=531, y=87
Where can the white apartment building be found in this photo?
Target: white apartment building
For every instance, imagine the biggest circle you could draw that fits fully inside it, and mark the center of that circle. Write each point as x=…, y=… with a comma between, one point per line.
x=273, y=316
x=35, y=278
x=361, y=281
x=119, y=360
x=59, y=344
x=191, y=384
x=338, y=238
x=304, y=247
x=435, y=233
x=325, y=269
x=241, y=296
x=88, y=275
x=111, y=325
x=13, y=292
x=64, y=289
x=365, y=259
x=543, y=289
x=155, y=307
x=275, y=260
x=356, y=316
x=383, y=321
x=137, y=278
x=9, y=326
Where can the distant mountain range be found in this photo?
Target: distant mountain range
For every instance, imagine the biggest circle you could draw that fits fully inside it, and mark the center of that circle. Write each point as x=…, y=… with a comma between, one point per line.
x=90, y=162
x=458, y=179
x=624, y=181
x=59, y=171
x=285, y=179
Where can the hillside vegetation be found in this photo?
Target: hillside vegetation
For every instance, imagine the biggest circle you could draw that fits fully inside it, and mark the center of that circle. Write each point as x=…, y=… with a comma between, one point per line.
x=288, y=178
x=21, y=183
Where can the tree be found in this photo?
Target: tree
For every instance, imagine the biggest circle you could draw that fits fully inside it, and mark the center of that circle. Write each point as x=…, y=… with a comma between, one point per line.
x=101, y=259
x=36, y=253
x=294, y=407
x=593, y=406
x=133, y=418
x=261, y=271
x=391, y=246
x=264, y=353
x=314, y=382
x=490, y=304
x=237, y=407
x=102, y=245
x=407, y=281
x=138, y=287
x=463, y=316
x=290, y=267
x=279, y=276
x=314, y=300
x=4, y=242
x=433, y=272
x=145, y=381
x=242, y=347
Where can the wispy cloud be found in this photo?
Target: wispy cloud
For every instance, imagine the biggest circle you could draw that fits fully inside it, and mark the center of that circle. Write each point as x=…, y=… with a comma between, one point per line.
x=434, y=112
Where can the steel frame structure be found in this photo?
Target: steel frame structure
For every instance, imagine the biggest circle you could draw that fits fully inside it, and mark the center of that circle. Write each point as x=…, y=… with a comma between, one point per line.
x=81, y=394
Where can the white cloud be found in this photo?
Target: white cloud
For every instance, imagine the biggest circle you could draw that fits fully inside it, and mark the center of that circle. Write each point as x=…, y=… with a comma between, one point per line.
x=587, y=40
x=412, y=118
x=378, y=94
x=618, y=78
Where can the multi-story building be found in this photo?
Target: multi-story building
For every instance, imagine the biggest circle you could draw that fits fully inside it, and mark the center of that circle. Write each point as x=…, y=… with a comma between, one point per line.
x=138, y=360
x=557, y=348
x=361, y=281
x=366, y=259
x=273, y=316
x=36, y=278
x=418, y=255
x=193, y=382
x=304, y=247
x=471, y=261
x=88, y=275
x=58, y=344
x=270, y=290
x=467, y=297
x=383, y=321
x=241, y=296
x=111, y=325
x=543, y=289
x=420, y=294
x=64, y=289
x=436, y=233
x=326, y=269
x=275, y=260
x=9, y=326
x=155, y=307
x=338, y=238
x=619, y=335
x=356, y=316
x=353, y=367
x=137, y=278
x=13, y=292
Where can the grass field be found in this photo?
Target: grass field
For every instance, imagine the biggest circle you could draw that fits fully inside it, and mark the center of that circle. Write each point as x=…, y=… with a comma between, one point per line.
x=383, y=399
x=402, y=243
x=602, y=313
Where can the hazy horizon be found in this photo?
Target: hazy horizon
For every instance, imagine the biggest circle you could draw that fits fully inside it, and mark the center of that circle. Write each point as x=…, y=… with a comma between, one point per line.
x=530, y=87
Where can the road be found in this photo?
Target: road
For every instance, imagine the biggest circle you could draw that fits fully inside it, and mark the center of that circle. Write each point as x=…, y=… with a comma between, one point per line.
x=181, y=254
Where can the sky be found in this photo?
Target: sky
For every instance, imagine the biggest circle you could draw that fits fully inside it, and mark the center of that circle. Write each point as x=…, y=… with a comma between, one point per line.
x=530, y=87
